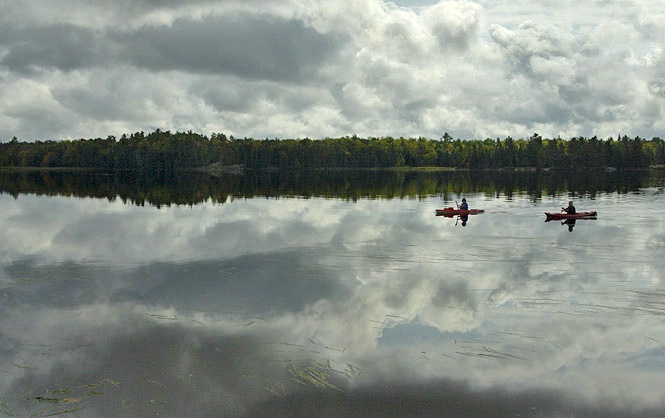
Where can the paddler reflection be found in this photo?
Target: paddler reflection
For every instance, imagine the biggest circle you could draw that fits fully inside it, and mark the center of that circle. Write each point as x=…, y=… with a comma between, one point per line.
x=570, y=223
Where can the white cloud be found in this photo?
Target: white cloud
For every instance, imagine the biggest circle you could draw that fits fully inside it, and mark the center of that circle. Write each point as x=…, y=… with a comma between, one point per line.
x=454, y=24
x=318, y=69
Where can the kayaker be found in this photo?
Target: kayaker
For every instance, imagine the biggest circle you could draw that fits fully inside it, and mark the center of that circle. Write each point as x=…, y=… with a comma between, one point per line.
x=464, y=205
x=570, y=209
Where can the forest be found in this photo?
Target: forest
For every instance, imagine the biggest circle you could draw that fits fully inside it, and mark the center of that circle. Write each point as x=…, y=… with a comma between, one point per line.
x=169, y=151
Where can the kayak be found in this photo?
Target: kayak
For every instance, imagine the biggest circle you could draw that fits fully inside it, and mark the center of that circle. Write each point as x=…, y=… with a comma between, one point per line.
x=579, y=215
x=461, y=212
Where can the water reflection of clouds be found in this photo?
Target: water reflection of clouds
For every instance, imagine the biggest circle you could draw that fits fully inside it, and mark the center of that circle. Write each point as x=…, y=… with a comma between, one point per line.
x=195, y=369
x=239, y=289
x=145, y=365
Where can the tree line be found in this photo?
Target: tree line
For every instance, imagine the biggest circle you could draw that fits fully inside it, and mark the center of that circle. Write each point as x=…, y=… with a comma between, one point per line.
x=169, y=151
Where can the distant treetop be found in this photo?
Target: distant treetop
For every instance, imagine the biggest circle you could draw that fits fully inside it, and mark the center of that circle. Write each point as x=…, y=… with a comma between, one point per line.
x=164, y=150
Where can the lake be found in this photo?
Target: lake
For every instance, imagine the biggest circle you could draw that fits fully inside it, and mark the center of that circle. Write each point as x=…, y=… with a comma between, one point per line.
x=283, y=296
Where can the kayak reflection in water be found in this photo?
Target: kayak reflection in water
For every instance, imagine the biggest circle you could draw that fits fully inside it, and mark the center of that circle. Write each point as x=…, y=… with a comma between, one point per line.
x=570, y=223
x=570, y=209
x=464, y=206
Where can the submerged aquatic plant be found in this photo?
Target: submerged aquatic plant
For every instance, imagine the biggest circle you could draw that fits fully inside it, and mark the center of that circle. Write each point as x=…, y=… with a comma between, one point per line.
x=317, y=375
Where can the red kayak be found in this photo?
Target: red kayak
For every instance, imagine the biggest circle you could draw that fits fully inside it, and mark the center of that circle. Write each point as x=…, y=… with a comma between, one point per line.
x=579, y=215
x=450, y=212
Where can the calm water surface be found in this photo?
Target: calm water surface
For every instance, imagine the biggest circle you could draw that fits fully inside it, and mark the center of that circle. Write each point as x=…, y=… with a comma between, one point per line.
x=330, y=307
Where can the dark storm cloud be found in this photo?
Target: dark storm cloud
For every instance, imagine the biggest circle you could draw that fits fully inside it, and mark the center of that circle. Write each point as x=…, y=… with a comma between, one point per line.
x=256, y=47
x=65, y=47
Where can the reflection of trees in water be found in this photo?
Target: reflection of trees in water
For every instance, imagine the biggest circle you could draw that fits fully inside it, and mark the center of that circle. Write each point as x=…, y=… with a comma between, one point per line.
x=189, y=188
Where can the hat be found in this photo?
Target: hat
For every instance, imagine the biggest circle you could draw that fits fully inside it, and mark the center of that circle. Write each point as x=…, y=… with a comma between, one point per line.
x=463, y=200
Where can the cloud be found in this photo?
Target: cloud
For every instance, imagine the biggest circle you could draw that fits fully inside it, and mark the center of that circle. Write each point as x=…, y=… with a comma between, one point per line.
x=455, y=25
x=255, y=47
x=63, y=47
x=309, y=69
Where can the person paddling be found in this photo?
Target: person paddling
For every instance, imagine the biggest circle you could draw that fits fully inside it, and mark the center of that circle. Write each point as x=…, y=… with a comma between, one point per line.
x=570, y=209
x=464, y=205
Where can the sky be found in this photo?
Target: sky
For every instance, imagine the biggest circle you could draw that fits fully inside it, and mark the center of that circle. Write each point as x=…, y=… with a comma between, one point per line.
x=480, y=69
